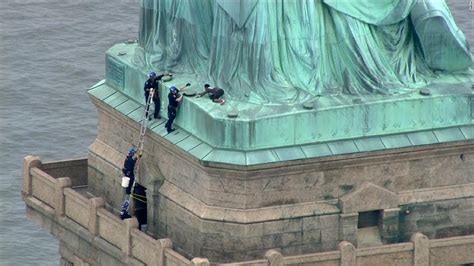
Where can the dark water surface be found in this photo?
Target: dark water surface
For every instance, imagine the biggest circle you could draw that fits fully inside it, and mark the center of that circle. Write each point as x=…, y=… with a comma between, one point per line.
x=50, y=53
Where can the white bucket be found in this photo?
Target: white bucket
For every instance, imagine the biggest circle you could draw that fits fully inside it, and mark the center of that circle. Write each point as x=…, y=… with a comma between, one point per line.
x=125, y=181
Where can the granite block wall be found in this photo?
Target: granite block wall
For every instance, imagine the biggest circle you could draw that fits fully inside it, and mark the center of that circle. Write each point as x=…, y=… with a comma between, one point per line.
x=227, y=241
x=205, y=209
x=438, y=219
x=295, y=182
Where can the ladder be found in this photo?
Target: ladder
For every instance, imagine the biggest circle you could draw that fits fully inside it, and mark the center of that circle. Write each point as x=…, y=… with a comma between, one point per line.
x=144, y=126
x=140, y=145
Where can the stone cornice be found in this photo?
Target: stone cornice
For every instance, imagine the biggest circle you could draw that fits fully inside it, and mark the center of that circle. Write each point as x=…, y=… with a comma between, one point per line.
x=206, y=212
x=295, y=165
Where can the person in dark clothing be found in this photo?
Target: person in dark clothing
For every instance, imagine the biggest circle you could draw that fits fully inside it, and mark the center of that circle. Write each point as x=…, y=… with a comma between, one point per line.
x=174, y=99
x=215, y=93
x=152, y=86
x=129, y=168
x=140, y=205
x=157, y=102
x=124, y=214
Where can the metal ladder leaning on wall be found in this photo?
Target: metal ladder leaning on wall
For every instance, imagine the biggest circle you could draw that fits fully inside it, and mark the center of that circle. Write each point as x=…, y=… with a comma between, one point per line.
x=140, y=145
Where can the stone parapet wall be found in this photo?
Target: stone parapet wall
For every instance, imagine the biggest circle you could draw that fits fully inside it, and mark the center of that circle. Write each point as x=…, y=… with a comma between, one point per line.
x=75, y=207
x=450, y=251
x=79, y=222
x=96, y=237
x=74, y=169
x=42, y=187
x=419, y=251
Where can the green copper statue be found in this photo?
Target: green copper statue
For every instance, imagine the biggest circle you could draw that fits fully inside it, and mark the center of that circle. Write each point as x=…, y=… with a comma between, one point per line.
x=289, y=51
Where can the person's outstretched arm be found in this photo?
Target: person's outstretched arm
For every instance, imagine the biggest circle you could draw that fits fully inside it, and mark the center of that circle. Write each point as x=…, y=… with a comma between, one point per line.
x=184, y=87
x=202, y=93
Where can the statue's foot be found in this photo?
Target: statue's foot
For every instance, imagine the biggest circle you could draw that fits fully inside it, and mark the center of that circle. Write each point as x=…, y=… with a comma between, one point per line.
x=443, y=44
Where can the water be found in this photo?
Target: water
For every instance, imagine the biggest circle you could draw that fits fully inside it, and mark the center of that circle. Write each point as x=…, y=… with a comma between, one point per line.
x=50, y=53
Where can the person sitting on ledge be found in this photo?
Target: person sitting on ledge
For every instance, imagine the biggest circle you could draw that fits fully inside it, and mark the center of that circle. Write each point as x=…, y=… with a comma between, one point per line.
x=215, y=93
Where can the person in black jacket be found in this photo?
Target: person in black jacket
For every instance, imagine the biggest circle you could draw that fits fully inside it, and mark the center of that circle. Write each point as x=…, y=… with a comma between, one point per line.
x=140, y=205
x=129, y=168
x=152, y=86
x=174, y=99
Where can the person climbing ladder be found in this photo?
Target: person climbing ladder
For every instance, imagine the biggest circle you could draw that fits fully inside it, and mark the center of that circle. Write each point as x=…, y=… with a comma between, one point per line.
x=129, y=168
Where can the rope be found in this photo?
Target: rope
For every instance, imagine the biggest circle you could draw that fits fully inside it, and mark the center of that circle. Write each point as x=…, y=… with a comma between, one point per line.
x=134, y=196
x=140, y=196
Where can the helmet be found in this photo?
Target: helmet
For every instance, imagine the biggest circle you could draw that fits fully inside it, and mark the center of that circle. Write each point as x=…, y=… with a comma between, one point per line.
x=132, y=151
x=152, y=74
x=173, y=88
x=125, y=205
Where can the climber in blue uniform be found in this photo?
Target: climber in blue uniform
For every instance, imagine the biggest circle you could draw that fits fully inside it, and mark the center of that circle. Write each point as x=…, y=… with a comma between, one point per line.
x=152, y=85
x=129, y=168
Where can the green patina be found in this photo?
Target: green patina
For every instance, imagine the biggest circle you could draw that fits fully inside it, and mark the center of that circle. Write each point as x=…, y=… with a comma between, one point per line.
x=206, y=152
x=302, y=85
x=286, y=51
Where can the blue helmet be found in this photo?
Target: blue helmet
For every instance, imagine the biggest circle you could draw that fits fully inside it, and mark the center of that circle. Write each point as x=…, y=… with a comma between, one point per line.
x=125, y=205
x=132, y=151
x=151, y=74
x=173, y=88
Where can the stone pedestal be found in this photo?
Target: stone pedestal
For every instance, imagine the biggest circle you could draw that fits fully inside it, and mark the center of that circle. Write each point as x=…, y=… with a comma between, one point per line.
x=332, y=118
x=231, y=212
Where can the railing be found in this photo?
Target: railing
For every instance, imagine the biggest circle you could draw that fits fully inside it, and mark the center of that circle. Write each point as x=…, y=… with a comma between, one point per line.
x=43, y=187
x=328, y=258
x=112, y=229
x=402, y=254
x=444, y=251
x=76, y=207
x=74, y=169
x=90, y=214
x=41, y=190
